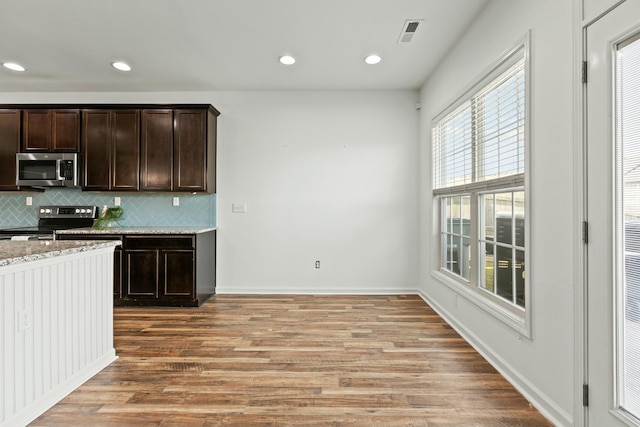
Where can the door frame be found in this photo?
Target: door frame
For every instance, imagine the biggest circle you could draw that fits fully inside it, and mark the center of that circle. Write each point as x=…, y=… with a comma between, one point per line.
x=579, y=209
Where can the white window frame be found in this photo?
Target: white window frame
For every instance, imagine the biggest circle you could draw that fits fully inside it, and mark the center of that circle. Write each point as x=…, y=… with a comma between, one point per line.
x=516, y=317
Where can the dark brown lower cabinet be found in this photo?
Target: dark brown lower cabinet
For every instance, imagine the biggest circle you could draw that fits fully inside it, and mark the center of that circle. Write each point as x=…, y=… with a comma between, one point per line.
x=141, y=277
x=178, y=273
x=161, y=269
x=117, y=272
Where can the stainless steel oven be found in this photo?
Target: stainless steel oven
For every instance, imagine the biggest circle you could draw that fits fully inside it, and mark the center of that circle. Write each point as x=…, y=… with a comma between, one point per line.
x=50, y=219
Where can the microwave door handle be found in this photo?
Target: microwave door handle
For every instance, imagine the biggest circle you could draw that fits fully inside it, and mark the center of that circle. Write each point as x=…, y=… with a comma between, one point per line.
x=58, y=167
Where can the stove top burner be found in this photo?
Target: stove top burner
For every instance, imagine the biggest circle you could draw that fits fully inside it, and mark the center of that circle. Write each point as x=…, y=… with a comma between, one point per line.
x=52, y=218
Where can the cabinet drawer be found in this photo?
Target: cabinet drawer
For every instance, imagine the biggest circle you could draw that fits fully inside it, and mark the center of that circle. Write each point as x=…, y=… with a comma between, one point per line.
x=160, y=242
x=88, y=237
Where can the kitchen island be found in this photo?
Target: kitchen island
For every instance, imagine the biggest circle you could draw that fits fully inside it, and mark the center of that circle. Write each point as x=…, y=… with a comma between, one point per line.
x=56, y=324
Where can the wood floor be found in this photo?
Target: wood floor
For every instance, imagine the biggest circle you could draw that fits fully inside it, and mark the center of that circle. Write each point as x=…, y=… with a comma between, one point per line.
x=293, y=361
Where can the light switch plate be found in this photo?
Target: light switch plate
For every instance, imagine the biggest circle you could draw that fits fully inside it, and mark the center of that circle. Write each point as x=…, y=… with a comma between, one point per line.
x=239, y=207
x=176, y=201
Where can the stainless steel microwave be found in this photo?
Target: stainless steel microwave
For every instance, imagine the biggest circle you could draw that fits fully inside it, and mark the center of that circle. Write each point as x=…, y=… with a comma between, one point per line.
x=47, y=170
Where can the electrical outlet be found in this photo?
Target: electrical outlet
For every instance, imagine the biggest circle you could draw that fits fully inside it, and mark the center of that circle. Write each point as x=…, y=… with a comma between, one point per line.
x=29, y=201
x=239, y=207
x=24, y=320
x=116, y=201
x=176, y=201
x=317, y=264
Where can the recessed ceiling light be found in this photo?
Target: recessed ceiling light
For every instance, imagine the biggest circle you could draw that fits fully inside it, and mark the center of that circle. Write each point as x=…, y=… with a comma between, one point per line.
x=13, y=66
x=287, y=60
x=372, y=59
x=122, y=66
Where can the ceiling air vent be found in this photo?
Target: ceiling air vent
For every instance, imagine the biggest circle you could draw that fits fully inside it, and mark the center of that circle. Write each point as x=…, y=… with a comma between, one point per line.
x=408, y=30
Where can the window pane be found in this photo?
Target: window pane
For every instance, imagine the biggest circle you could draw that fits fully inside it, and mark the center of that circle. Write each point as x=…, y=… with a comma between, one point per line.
x=446, y=201
x=465, y=257
x=449, y=261
x=504, y=215
x=453, y=139
x=455, y=213
x=504, y=272
x=465, y=215
x=500, y=125
x=489, y=267
x=456, y=250
x=489, y=216
x=503, y=260
x=628, y=219
x=484, y=137
x=520, y=278
x=518, y=207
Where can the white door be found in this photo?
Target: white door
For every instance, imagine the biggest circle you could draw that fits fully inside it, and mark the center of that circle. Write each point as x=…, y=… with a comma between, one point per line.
x=613, y=212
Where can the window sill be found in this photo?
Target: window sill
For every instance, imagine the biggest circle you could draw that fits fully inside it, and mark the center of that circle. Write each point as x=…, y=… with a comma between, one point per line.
x=517, y=321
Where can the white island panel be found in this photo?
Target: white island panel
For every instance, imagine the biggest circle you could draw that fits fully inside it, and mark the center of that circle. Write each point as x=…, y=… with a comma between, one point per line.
x=66, y=304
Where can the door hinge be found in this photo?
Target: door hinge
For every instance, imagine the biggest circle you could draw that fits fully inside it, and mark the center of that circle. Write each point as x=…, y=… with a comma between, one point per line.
x=585, y=394
x=585, y=67
x=585, y=232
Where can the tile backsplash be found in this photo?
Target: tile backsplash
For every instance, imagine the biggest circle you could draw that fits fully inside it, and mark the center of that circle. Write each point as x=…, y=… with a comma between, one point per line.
x=140, y=210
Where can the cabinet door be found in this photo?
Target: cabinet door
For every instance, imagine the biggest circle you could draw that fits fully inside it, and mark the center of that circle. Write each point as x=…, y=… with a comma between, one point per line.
x=141, y=277
x=65, y=131
x=178, y=273
x=156, y=145
x=96, y=146
x=36, y=126
x=9, y=146
x=125, y=140
x=190, y=145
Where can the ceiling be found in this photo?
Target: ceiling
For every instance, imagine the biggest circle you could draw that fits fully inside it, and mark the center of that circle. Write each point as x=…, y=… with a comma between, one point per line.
x=217, y=45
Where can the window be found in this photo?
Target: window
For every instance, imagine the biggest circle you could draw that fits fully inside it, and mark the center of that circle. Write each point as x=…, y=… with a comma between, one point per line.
x=479, y=162
x=627, y=91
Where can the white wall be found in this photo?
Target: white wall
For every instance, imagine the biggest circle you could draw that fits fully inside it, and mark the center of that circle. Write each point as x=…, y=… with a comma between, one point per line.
x=543, y=367
x=329, y=176
x=326, y=176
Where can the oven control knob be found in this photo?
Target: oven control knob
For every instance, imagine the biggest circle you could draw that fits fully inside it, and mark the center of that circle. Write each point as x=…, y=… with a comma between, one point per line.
x=41, y=210
x=47, y=210
x=81, y=211
x=77, y=210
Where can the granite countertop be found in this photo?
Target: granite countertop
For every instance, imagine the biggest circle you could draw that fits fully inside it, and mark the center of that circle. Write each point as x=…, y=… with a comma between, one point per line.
x=138, y=230
x=18, y=252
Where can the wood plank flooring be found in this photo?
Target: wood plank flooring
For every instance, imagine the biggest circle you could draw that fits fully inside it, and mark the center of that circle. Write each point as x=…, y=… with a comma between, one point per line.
x=242, y=360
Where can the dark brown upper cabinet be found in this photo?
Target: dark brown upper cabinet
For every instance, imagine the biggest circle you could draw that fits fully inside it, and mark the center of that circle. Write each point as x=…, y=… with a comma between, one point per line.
x=51, y=130
x=194, y=157
x=123, y=147
x=111, y=149
x=156, y=150
x=178, y=150
x=9, y=146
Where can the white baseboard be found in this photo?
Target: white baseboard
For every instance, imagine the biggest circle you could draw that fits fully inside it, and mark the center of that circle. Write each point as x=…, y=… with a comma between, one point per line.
x=307, y=291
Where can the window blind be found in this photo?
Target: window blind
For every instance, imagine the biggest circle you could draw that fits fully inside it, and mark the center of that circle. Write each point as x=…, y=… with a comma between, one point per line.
x=628, y=224
x=483, y=138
